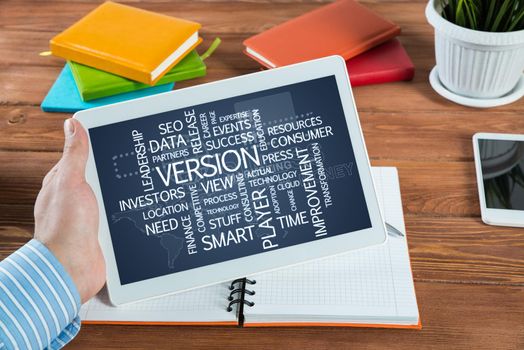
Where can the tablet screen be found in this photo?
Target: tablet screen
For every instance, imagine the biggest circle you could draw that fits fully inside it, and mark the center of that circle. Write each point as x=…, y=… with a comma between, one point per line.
x=227, y=179
x=502, y=163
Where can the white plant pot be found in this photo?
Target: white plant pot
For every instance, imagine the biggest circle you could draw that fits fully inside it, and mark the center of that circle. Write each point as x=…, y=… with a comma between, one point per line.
x=476, y=64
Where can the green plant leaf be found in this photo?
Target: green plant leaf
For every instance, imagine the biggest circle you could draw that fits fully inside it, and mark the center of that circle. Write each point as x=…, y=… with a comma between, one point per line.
x=500, y=15
x=509, y=17
x=516, y=23
x=485, y=15
x=447, y=12
x=490, y=13
x=451, y=8
x=470, y=14
x=457, y=14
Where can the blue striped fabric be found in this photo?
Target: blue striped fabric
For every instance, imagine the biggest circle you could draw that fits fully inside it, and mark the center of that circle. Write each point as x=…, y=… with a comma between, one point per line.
x=39, y=302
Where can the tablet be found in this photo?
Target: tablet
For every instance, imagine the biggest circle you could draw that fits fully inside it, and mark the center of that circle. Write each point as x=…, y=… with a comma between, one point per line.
x=231, y=178
x=499, y=162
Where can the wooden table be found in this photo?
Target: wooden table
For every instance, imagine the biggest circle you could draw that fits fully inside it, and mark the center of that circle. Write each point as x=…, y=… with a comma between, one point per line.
x=469, y=277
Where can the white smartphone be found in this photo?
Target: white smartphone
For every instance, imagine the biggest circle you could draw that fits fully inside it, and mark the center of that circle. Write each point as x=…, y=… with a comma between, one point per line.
x=499, y=162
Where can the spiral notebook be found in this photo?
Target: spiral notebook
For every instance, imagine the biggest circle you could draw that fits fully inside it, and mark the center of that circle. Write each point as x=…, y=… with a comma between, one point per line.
x=372, y=287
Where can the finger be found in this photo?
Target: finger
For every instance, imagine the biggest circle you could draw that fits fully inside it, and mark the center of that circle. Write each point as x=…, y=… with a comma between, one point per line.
x=76, y=150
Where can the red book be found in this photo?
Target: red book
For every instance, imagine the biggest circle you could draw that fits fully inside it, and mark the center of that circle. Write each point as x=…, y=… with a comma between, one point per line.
x=344, y=27
x=382, y=64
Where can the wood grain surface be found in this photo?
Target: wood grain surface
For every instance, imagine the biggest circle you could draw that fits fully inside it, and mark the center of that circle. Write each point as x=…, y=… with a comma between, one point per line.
x=469, y=277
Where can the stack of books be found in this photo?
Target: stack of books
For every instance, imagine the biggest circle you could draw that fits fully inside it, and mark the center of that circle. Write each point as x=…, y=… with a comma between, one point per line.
x=117, y=53
x=363, y=38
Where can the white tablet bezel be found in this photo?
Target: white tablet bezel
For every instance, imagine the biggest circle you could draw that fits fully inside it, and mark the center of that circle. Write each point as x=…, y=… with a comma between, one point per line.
x=226, y=271
x=491, y=216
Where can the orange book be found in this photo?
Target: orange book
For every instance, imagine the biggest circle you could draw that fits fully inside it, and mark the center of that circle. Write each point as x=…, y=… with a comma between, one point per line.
x=127, y=41
x=371, y=287
x=343, y=28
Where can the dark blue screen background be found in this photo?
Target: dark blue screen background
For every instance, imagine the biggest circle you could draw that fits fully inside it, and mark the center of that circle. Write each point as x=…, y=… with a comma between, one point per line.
x=140, y=257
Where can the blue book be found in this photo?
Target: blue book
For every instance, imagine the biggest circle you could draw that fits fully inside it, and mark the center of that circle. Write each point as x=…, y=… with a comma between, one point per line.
x=64, y=96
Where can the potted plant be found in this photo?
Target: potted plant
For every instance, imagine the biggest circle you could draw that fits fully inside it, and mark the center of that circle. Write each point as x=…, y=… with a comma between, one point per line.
x=479, y=48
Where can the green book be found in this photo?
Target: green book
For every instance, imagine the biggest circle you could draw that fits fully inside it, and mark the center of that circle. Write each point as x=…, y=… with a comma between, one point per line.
x=93, y=83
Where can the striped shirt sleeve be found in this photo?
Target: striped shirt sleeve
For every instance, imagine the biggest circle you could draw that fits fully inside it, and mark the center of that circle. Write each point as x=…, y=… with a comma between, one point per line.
x=39, y=302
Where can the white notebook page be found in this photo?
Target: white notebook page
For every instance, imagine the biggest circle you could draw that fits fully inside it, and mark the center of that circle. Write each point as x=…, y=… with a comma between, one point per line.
x=372, y=285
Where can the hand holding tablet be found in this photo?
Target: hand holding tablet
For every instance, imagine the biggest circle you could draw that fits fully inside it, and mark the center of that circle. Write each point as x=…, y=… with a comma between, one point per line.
x=214, y=182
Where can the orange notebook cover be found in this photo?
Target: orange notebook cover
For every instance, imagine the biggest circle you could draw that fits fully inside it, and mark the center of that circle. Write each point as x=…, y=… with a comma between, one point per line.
x=343, y=28
x=127, y=41
x=372, y=287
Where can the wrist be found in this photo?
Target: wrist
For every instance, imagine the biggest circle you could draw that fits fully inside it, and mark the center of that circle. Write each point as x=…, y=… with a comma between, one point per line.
x=63, y=264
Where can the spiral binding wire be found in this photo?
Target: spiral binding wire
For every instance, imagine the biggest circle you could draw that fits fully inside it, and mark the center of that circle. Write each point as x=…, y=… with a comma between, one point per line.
x=238, y=289
x=247, y=280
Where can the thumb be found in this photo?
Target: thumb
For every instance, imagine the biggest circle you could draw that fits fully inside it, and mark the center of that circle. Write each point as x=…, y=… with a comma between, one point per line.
x=76, y=150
